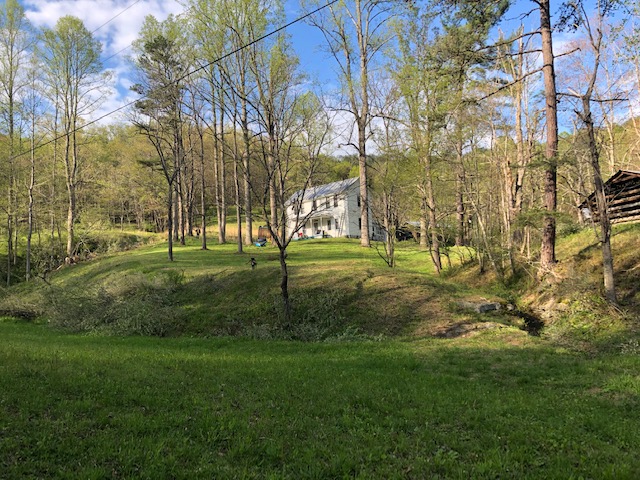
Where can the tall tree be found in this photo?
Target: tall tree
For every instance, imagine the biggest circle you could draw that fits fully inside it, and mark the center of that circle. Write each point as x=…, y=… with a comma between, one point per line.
x=548, y=247
x=16, y=38
x=462, y=49
x=354, y=33
x=160, y=63
x=420, y=73
x=276, y=105
x=594, y=31
x=75, y=79
x=33, y=109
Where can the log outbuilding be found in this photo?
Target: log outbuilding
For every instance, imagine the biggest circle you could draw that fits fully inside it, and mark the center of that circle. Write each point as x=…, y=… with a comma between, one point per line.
x=622, y=192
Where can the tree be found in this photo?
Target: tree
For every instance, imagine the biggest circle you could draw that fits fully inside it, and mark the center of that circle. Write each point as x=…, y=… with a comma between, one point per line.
x=420, y=75
x=303, y=131
x=276, y=106
x=461, y=46
x=16, y=39
x=33, y=103
x=354, y=34
x=75, y=80
x=594, y=32
x=548, y=247
x=161, y=69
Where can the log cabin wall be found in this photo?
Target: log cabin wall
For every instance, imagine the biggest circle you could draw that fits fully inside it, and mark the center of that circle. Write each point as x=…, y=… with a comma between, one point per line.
x=623, y=198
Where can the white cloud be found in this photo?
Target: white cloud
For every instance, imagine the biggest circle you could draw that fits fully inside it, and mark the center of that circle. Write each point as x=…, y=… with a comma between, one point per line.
x=113, y=26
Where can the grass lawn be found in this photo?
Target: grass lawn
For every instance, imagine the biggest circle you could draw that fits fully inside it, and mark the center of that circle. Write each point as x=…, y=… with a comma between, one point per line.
x=214, y=292
x=497, y=405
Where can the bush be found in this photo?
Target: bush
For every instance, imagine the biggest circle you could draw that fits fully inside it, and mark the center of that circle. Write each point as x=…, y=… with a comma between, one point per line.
x=315, y=316
x=106, y=242
x=589, y=322
x=123, y=305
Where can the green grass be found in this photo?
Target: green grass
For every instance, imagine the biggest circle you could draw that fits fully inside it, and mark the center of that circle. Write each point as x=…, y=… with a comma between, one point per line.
x=499, y=404
x=337, y=287
x=492, y=406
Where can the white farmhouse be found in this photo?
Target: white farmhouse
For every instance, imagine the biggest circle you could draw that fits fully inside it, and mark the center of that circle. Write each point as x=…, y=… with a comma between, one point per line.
x=331, y=210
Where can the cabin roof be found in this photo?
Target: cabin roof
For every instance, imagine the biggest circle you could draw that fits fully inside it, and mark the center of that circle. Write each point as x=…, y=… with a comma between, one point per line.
x=619, y=177
x=622, y=193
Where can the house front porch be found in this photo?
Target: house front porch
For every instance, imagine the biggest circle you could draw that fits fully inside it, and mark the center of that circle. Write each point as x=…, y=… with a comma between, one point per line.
x=319, y=226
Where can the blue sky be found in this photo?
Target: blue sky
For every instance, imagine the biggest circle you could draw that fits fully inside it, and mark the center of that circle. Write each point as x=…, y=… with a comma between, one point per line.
x=118, y=33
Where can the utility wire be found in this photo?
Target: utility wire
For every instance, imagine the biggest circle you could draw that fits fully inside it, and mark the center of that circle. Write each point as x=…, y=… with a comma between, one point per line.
x=128, y=46
x=186, y=75
x=253, y=42
x=116, y=16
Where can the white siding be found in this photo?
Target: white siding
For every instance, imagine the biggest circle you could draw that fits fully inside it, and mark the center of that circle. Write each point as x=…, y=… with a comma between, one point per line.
x=344, y=219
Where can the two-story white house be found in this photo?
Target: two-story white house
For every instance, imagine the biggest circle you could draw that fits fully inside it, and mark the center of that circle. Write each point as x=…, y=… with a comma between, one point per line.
x=331, y=210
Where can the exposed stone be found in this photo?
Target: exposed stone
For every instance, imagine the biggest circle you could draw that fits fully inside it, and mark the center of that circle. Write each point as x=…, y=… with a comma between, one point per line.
x=479, y=307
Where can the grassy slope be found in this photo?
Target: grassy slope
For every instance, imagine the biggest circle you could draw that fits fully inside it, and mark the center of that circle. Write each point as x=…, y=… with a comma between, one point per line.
x=493, y=406
x=218, y=291
x=498, y=404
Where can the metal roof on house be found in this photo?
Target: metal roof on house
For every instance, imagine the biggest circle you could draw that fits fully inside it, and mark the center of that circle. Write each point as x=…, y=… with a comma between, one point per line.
x=327, y=190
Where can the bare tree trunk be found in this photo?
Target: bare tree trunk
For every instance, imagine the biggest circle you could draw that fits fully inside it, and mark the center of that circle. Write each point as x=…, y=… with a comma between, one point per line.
x=71, y=192
x=236, y=183
x=433, y=219
x=424, y=223
x=601, y=202
x=389, y=229
x=547, y=250
x=460, y=181
x=170, y=221
x=273, y=207
x=219, y=171
x=203, y=189
x=32, y=183
x=247, y=175
x=364, y=191
x=52, y=189
x=176, y=215
x=284, y=288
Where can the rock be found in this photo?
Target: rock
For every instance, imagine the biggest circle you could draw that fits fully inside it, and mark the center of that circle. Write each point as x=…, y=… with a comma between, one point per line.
x=479, y=307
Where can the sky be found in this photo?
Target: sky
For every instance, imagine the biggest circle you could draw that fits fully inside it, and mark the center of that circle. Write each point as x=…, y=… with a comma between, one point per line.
x=116, y=24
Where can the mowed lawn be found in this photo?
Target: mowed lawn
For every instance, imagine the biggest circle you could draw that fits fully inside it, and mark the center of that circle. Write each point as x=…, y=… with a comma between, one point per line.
x=498, y=405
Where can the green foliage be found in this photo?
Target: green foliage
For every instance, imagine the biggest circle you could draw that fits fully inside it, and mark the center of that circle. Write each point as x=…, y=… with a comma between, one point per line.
x=588, y=321
x=132, y=304
x=109, y=241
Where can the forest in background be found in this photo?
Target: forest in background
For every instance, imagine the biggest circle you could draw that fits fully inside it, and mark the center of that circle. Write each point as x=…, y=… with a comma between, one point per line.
x=445, y=113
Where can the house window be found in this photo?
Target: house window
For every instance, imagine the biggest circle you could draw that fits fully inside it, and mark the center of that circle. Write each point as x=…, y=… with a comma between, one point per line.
x=314, y=205
x=327, y=202
x=335, y=200
x=329, y=224
x=358, y=200
x=359, y=223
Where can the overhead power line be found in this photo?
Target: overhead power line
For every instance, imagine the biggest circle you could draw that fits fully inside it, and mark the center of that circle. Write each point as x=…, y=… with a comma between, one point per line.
x=116, y=16
x=105, y=60
x=186, y=75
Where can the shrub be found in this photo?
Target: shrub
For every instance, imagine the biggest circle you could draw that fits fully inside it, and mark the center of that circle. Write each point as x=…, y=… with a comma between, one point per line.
x=589, y=322
x=122, y=305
